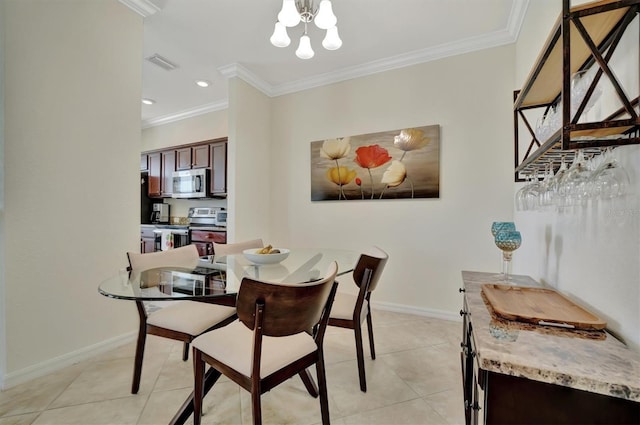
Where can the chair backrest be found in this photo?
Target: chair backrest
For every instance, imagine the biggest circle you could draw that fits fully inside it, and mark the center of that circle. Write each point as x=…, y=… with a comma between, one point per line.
x=186, y=256
x=235, y=248
x=288, y=308
x=374, y=259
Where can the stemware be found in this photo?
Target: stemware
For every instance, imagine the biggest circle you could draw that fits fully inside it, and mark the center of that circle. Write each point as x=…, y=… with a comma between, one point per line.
x=508, y=241
x=609, y=180
x=575, y=184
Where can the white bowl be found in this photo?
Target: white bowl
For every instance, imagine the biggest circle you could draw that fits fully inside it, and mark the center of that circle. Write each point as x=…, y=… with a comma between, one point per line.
x=250, y=254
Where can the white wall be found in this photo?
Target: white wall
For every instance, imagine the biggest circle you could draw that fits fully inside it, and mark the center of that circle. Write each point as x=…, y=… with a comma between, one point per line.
x=250, y=182
x=590, y=253
x=429, y=240
x=72, y=142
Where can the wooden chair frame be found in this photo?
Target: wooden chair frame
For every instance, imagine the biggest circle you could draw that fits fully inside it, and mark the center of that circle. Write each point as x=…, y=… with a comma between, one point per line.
x=276, y=310
x=366, y=276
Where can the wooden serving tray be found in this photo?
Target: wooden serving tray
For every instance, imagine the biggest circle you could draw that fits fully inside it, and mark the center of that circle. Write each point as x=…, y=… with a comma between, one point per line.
x=541, y=306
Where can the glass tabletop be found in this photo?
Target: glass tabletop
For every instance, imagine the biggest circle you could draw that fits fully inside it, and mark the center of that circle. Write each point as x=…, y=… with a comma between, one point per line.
x=221, y=276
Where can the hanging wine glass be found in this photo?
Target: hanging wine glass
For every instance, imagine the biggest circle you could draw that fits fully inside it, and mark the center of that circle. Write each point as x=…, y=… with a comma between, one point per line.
x=575, y=183
x=508, y=241
x=609, y=180
x=545, y=198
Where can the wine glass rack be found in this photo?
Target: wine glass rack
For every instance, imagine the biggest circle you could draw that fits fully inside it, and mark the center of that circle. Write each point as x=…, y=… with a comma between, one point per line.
x=583, y=37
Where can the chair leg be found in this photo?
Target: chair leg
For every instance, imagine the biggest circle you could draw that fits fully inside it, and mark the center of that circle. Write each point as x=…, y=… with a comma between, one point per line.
x=322, y=384
x=137, y=364
x=185, y=352
x=360, y=355
x=256, y=407
x=370, y=328
x=307, y=379
x=198, y=386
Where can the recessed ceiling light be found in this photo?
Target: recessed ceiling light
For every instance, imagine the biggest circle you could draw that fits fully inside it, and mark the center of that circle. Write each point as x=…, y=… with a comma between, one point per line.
x=148, y=101
x=203, y=83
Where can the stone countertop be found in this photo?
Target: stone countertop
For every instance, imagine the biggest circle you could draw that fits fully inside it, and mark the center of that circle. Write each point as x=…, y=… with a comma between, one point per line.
x=592, y=361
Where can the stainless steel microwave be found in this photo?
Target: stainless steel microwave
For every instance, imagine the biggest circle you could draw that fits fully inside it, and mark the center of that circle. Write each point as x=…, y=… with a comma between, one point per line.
x=191, y=183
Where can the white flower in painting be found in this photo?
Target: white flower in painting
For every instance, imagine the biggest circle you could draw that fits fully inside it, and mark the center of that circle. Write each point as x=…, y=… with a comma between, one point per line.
x=410, y=139
x=335, y=148
x=395, y=174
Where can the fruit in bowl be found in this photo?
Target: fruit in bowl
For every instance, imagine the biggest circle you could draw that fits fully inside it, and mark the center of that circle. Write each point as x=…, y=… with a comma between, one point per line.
x=266, y=255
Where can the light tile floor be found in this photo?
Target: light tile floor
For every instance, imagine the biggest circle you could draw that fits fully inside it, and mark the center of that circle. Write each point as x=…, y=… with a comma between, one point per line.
x=415, y=379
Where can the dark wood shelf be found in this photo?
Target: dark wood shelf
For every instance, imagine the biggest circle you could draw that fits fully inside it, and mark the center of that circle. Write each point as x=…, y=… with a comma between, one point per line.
x=583, y=36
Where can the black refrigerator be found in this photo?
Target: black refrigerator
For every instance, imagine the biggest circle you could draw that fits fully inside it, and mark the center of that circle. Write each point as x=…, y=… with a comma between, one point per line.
x=145, y=201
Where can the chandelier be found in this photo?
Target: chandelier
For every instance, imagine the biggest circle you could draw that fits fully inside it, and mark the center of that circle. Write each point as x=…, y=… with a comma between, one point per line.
x=295, y=11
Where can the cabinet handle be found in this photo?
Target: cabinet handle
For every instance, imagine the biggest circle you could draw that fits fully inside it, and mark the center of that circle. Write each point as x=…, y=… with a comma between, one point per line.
x=460, y=289
x=462, y=312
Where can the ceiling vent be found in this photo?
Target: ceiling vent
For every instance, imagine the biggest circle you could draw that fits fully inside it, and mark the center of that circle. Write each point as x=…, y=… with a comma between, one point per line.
x=163, y=63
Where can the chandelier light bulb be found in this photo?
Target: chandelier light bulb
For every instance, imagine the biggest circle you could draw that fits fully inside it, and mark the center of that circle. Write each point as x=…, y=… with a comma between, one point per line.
x=332, y=40
x=304, y=48
x=280, y=38
x=289, y=15
x=325, y=18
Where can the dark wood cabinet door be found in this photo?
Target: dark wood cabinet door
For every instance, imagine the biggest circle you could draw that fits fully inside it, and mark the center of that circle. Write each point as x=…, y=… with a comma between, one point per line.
x=155, y=172
x=183, y=159
x=200, y=156
x=148, y=245
x=219, y=168
x=144, y=162
x=168, y=167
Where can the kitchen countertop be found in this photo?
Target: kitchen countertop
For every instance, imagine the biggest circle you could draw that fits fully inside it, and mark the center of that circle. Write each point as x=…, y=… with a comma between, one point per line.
x=592, y=361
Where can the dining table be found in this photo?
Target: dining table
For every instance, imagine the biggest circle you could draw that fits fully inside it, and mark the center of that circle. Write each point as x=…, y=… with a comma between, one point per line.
x=217, y=279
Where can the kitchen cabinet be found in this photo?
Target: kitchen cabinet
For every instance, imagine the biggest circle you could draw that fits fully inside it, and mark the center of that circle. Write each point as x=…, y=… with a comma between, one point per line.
x=584, y=38
x=144, y=162
x=168, y=167
x=521, y=373
x=203, y=240
x=188, y=158
x=155, y=174
x=147, y=239
x=209, y=154
x=218, y=168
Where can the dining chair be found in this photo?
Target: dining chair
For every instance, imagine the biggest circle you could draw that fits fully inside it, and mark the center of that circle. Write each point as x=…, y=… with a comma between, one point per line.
x=220, y=249
x=349, y=310
x=179, y=320
x=279, y=333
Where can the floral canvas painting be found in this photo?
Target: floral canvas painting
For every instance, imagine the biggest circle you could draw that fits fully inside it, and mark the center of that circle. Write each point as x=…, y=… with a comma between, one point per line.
x=398, y=164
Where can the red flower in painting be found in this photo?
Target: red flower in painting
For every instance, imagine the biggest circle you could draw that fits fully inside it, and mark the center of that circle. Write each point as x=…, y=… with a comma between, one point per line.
x=371, y=156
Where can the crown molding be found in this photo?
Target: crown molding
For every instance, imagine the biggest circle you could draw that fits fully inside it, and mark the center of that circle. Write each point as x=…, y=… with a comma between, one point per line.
x=143, y=8
x=237, y=70
x=187, y=113
x=516, y=18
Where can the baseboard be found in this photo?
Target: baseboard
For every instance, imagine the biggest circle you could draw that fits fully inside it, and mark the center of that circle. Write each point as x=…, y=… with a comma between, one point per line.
x=52, y=365
x=419, y=311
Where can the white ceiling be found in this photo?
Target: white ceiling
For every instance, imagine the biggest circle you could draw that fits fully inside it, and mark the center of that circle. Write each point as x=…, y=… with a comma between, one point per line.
x=216, y=39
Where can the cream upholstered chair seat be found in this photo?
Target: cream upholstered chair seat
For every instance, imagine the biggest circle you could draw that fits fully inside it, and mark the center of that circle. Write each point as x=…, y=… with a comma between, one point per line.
x=344, y=305
x=189, y=317
x=233, y=346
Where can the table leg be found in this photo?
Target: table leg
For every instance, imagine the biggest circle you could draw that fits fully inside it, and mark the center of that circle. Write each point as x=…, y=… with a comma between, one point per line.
x=186, y=410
